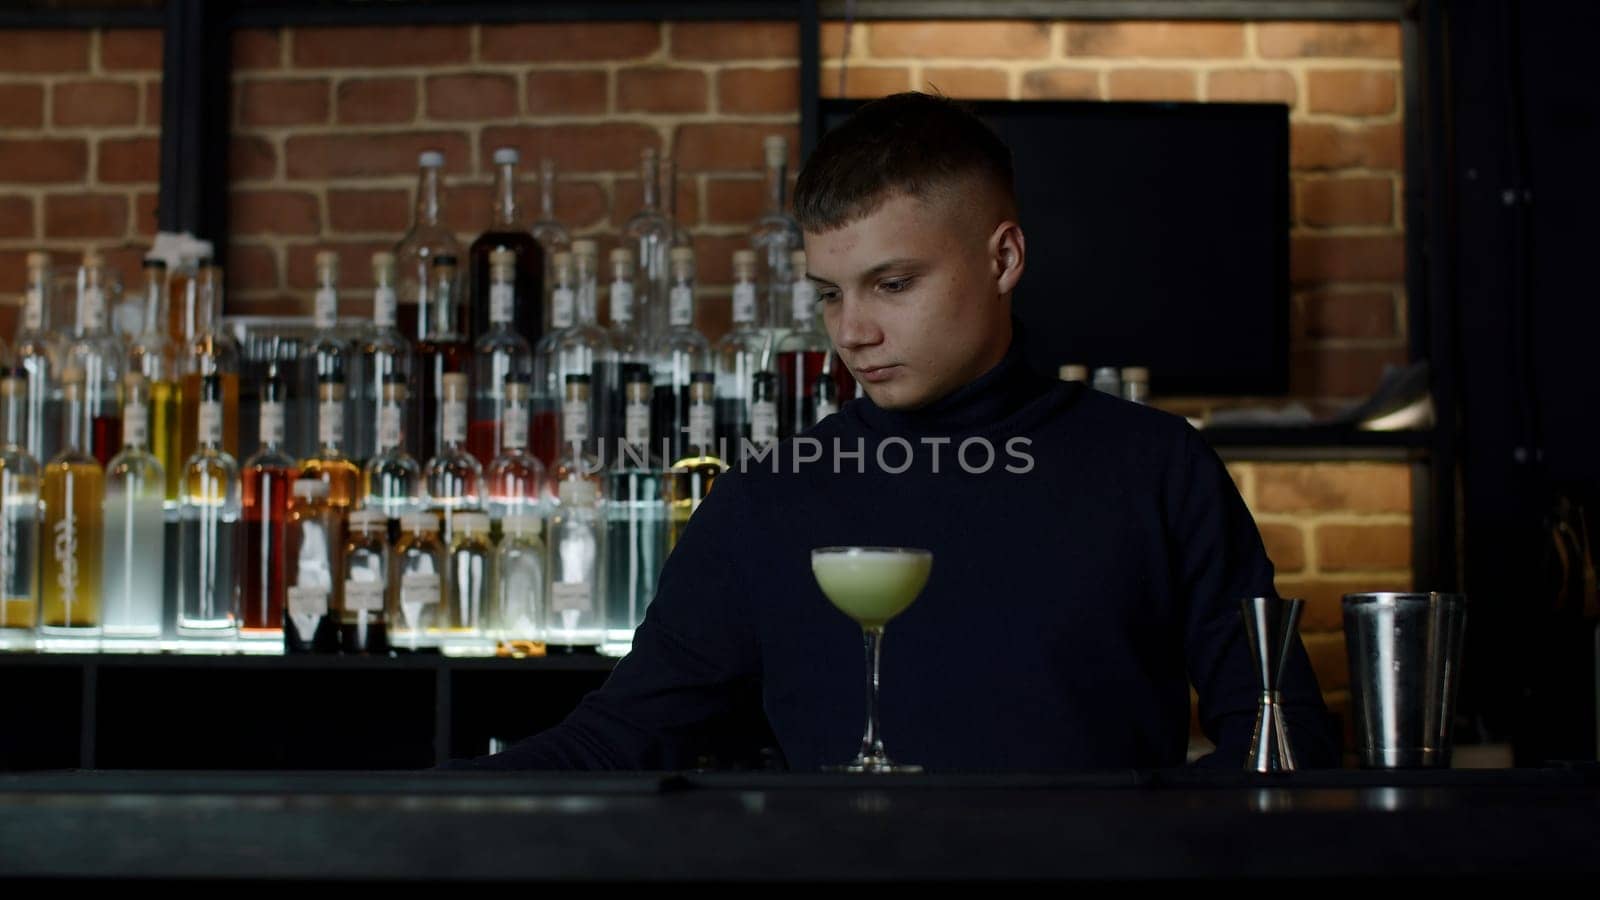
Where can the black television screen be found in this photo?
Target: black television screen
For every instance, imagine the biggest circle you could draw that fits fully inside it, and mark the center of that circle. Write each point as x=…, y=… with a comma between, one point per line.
x=1157, y=235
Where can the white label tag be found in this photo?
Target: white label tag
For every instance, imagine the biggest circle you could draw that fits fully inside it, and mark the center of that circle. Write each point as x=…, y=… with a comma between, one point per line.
x=363, y=596
x=209, y=424
x=135, y=425
x=383, y=307
x=621, y=302
x=763, y=422
x=561, y=304
x=702, y=419
x=92, y=308
x=272, y=423
x=306, y=606
x=500, y=303
x=575, y=422
x=455, y=421
x=33, y=310
x=326, y=308
x=514, y=428
x=388, y=427
x=825, y=410
x=330, y=422
x=682, y=308
x=804, y=297
x=418, y=590
x=571, y=596
x=636, y=424
x=744, y=302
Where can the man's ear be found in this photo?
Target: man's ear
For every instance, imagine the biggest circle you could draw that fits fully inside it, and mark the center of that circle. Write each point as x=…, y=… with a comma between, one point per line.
x=1009, y=251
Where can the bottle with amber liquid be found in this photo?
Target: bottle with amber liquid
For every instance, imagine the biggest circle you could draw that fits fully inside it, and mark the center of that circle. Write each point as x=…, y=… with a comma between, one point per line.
x=211, y=352
x=19, y=519
x=416, y=585
x=208, y=522
x=441, y=351
x=329, y=464
x=366, y=578
x=72, y=531
x=315, y=551
x=268, y=477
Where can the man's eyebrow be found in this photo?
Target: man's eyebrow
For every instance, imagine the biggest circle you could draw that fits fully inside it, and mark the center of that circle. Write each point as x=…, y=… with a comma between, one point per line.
x=903, y=262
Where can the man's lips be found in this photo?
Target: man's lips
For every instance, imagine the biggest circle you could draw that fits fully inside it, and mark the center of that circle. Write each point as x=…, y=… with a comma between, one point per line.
x=876, y=374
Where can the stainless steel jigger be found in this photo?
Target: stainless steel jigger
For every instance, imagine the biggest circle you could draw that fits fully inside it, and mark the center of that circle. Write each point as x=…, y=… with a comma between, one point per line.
x=1269, y=624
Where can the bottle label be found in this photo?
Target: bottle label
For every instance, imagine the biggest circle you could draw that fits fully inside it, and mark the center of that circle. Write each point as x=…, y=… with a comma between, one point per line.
x=92, y=309
x=363, y=596
x=825, y=409
x=135, y=425
x=418, y=591
x=763, y=422
x=804, y=298
x=388, y=427
x=330, y=423
x=636, y=424
x=272, y=423
x=501, y=306
x=621, y=302
x=514, y=427
x=307, y=606
x=571, y=596
x=326, y=309
x=209, y=423
x=575, y=422
x=64, y=547
x=702, y=420
x=33, y=309
x=588, y=301
x=561, y=307
x=682, y=306
x=744, y=302
x=455, y=421
x=383, y=306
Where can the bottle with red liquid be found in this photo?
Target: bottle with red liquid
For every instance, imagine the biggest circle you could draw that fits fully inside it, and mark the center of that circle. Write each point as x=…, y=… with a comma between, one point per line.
x=499, y=354
x=507, y=233
x=100, y=356
x=802, y=357
x=268, y=477
x=547, y=384
x=440, y=350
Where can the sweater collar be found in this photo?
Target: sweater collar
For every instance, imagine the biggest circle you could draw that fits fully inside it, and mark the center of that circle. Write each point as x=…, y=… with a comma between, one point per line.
x=988, y=400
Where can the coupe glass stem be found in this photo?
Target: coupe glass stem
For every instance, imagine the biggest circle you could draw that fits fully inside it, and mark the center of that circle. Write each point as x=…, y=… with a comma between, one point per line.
x=872, y=754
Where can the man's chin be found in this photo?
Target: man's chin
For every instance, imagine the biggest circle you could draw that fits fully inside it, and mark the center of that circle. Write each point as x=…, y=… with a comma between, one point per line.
x=896, y=397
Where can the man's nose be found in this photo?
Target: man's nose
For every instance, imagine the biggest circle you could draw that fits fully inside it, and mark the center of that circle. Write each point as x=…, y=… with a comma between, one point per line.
x=855, y=326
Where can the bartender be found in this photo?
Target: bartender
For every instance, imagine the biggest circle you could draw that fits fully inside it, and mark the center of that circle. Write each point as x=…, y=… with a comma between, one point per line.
x=1089, y=554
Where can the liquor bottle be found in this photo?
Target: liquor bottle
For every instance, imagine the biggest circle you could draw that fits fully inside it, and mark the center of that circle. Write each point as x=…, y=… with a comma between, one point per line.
x=764, y=391
x=471, y=569
x=775, y=237
x=669, y=202
x=207, y=532
x=824, y=392
x=19, y=519
x=738, y=355
x=441, y=351
x=415, y=253
x=500, y=353
x=803, y=354
x=551, y=235
x=328, y=462
x=692, y=474
x=315, y=550
x=681, y=351
x=268, y=478
x=416, y=590
x=585, y=348
x=72, y=531
x=154, y=355
x=384, y=353
x=507, y=233
x=182, y=291
x=1136, y=384
x=40, y=354
x=649, y=234
x=578, y=460
x=635, y=523
x=574, y=623
x=328, y=358
x=516, y=621
x=515, y=479
x=366, y=576
x=453, y=479
x=98, y=353
x=210, y=352
x=391, y=481
x=547, y=383
x=135, y=531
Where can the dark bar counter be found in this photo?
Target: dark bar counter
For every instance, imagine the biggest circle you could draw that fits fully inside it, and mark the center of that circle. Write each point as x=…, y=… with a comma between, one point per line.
x=479, y=827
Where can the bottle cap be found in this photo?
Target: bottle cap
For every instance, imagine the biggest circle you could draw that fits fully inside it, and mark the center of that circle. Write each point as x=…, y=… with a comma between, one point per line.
x=1136, y=373
x=366, y=520
x=622, y=256
x=38, y=260
x=423, y=522
x=744, y=258
x=576, y=492
x=471, y=523
x=506, y=156
x=1073, y=372
x=681, y=255
x=430, y=159
x=500, y=256
x=521, y=524
x=327, y=259
x=310, y=488
x=797, y=261
x=777, y=149
x=585, y=247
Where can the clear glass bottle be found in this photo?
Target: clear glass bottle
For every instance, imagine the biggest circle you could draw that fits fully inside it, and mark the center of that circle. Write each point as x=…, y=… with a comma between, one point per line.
x=41, y=352
x=453, y=479
x=414, y=255
x=552, y=236
x=328, y=358
x=628, y=343
x=416, y=590
x=328, y=463
x=574, y=623
x=585, y=349
x=775, y=237
x=507, y=233
x=19, y=519
x=210, y=352
x=578, y=460
x=669, y=202
x=366, y=578
x=315, y=550
x=800, y=354
x=516, y=621
x=268, y=477
x=738, y=355
x=99, y=355
x=1136, y=384
x=500, y=353
x=441, y=351
x=391, y=481
x=635, y=525
x=208, y=599
x=682, y=351
x=515, y=479
x=154, y=355
x=650, y=234
x=547, y=383
x=825, y=391
x=471, y=569
x=384, y=353
x=71, y=510
x=135, y=536
x=764, y=392
x=692, y=474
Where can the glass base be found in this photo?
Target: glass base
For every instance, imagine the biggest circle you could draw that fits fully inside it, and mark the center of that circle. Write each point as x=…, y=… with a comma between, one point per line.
x=112, y=642
x=863, y=765
x=68, y=640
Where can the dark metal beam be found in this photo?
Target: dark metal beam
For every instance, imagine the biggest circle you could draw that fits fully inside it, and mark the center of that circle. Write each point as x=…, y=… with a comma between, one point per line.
x=25, y=16
x=810, y=77
x=195, y=91
x=284, y=13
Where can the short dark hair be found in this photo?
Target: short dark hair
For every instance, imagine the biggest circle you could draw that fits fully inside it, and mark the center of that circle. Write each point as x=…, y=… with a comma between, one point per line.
x=906, y=143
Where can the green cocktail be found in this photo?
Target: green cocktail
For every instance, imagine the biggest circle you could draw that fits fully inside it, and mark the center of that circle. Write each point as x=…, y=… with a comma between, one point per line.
x=872, y=585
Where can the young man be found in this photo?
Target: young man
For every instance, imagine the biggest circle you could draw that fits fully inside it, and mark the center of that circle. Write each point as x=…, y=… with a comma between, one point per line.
x=1089, y=555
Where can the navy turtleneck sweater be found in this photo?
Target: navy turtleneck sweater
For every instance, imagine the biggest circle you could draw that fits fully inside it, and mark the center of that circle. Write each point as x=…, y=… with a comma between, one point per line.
x=1081, y=582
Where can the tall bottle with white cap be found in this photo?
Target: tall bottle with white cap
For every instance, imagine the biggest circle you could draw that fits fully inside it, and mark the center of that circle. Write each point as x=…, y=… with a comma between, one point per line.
x=267, y=480
x=19, y=519
x=471, y=569
x=552, y=236
x=154, y=355
x=391, y=481
x=315, y=551
x=802, y=355
x=135, y=541
x=452, y=478
x=208, y=520
x=738, y=355
x=383, y=352
x=635, y=517
x=649, y=233
x=362, y=622
x=441, y=350
x=328, y=358
x=414, y=254
x=775, y=237
x=547, y=383
x=99, y=355
x=515, y=479
x=507, y=233
x=210, y=351
x=681, y=352
x=72, y=528
x=585, y=349
x=499, y=354
x=41, y=351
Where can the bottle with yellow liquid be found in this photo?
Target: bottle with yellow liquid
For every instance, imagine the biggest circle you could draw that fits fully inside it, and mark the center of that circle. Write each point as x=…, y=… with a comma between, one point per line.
x=154, y=355
x=208, y=352
x=208, y=522
x=691, y=475
x=329, y=464
x=71, y=532
x=19, y=520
